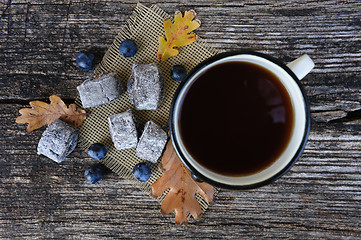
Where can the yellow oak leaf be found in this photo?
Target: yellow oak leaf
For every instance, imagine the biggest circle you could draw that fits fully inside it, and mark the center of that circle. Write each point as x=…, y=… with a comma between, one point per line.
x=177, y=34
x=181, y=197
x=42, y=113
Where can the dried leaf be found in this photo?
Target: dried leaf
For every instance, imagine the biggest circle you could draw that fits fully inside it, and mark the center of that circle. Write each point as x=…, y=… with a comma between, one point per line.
x=43, y=113
x=182, y=195
x=177, y=34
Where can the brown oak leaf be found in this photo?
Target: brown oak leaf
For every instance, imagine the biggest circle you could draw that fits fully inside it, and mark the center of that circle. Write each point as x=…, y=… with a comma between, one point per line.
x=177, y=34
x=42, y=113
x=182, y=195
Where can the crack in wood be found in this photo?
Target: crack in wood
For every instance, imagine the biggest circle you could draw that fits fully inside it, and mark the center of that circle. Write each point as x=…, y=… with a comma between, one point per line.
x=26, y=102
x=351, y=116
x=6, y=8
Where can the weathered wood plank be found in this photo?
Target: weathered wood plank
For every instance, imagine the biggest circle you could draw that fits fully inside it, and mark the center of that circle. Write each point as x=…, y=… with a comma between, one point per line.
x=319, y=197
x=41, y=62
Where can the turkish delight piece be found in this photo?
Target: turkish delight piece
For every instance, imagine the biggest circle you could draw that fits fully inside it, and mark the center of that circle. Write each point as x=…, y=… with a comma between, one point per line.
x=95, y=92
x=58, y=141
x=152, y=142
x=146, y=86
x=123, y=130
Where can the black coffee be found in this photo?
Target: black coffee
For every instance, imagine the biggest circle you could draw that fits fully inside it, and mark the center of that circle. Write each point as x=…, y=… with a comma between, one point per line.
x=236, y=119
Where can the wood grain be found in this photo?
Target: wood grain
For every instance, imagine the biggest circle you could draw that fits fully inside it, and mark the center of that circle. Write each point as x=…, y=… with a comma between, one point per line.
x=318, y=198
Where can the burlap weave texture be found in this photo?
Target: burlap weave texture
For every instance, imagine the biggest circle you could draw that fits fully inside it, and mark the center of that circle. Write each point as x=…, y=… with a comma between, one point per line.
x=145, y=26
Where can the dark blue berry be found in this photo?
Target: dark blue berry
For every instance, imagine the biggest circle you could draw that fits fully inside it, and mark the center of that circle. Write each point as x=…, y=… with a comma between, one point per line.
x=93, y=174
x=85, y=61
x=142, y=171
x=178, y=73
x=97, y=151
x=196, y=178
x=128, y=48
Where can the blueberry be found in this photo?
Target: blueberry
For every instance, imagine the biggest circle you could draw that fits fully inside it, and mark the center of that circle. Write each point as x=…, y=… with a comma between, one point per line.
x=85, y=61
x=97, y=151
x=128, y=48
x=142, y=171
x=93, y=174
x=196, y=178
x=178, y=73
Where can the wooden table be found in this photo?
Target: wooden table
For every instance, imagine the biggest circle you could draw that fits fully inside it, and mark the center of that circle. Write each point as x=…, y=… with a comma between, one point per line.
x=318, y=198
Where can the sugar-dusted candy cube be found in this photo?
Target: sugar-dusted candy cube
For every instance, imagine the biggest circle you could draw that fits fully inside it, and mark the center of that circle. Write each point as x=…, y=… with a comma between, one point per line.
x=95, y=92
x=58, y=141
x=152, y=142
x=123, y=130
x=146, y=87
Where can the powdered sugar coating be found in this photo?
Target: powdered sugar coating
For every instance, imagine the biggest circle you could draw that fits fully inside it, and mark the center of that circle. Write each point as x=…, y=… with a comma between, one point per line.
x=152, y=142
x=95, y=92
x=57, y=141
x=123, y=130
x=146, y=87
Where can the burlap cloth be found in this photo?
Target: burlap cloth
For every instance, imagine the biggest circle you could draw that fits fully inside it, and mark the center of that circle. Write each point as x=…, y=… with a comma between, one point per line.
x=145, y=26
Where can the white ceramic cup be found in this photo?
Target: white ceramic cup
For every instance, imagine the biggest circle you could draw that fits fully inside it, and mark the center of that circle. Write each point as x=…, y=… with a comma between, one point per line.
x=289, y=75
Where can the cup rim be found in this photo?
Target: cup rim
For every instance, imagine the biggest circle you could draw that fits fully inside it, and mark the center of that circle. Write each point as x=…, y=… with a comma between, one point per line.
x=204, y=64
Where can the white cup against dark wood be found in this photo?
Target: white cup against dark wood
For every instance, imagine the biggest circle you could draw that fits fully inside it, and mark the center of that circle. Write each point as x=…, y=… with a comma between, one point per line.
x=290, y=76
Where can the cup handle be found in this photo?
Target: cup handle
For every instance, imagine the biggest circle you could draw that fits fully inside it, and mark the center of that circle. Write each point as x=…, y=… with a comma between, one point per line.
x=301, y=66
